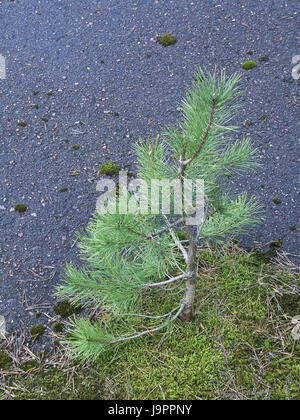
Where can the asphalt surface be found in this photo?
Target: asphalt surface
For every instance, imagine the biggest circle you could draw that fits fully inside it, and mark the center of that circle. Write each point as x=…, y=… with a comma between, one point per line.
x=93, y=71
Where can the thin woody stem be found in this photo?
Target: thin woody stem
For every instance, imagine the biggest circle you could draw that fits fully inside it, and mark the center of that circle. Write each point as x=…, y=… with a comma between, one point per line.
x=191, y=269
x=171, y=280
x=158, y=232
x=176, y=240
x=152, y=316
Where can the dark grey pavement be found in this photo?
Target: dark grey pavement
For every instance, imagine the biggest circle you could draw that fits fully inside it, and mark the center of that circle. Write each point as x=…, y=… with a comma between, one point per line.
x=93, y=71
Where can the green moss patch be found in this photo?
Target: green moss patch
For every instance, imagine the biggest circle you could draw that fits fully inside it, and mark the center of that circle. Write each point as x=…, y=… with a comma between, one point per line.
x=63, y=190
x=276, y=200
x=36, y=331
x=248, y=65
x=263, y=58
x=238, y=346
x=53, y=384
x=58, y=327
x=290, y=304
x=166, y=39
x=276, y=244
x=260, y=257
x=22, y=123
x=66, y=309
x=267, y=256
x=109, y=169
x=20, y=208
x=5, y=360
x=76, y=147
x=75, y=173
x=28, y=365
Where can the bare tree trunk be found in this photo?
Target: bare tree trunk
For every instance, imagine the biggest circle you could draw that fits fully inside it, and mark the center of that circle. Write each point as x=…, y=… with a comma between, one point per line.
x=190, y=291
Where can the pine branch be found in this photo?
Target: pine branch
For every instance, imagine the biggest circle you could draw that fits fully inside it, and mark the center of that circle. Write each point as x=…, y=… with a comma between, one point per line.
x=196, y=153
x=141, y=334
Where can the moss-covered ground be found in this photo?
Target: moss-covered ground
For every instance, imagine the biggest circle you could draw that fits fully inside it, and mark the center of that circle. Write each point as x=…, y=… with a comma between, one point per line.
x=239, y=345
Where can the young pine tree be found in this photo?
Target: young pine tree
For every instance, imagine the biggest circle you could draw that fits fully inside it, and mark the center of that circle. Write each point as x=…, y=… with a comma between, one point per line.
x=132, y=259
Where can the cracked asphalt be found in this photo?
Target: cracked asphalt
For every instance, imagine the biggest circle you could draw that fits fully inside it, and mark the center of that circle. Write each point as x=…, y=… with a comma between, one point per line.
x=91, y=73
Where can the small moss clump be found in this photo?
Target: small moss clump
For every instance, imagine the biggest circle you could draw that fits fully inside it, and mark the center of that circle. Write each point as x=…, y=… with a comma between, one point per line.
x=264, y=116
x=22, y=123
x=38, y=315
x=50, y=93
x=35, y=92
x=44, y=119
x=263, y=58
x=248, y=65
x=28, y=365
x=76, y=147
x=5, y=360
x=109, y=168
x=276, y=200
x=58, y=327
x=62, y=190
x=276, y=244
x=66, y=309
x=259, y=257
x=250, y=52
x=292, y=228
x=21, y=208
x=116, y=114
x=166, y=39
x=75, y=173
x=290, y=304
x=35, y=106
x=36, y=331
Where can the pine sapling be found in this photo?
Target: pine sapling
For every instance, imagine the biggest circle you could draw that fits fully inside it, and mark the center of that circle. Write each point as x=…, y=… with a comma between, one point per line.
x=134, y=258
